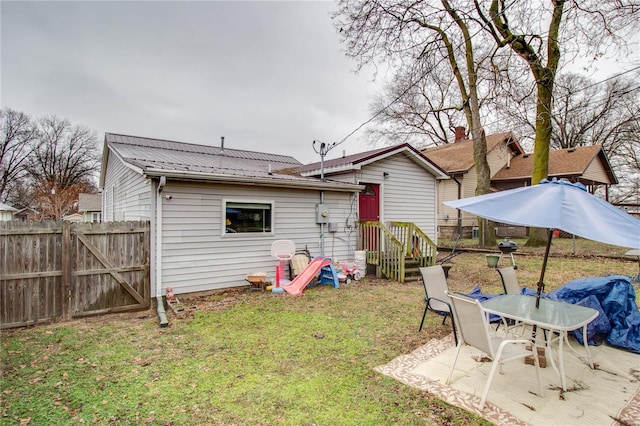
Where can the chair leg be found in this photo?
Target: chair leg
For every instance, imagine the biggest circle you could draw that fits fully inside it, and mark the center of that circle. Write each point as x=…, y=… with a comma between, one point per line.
x=494, y=366
x=455, y=331
x=536, y=361
x=453, y=365
x=423, y=317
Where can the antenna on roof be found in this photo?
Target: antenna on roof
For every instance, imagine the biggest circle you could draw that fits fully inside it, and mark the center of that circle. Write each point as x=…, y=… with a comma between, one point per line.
x=322, y=149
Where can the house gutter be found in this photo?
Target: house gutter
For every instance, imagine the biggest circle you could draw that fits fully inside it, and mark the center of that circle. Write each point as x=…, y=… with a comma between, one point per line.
x=459, y=197
x=162, y=314
x=254, y=180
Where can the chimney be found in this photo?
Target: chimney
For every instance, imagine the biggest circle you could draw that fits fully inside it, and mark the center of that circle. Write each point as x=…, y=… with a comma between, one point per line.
x=221, y=143
x=460, y=133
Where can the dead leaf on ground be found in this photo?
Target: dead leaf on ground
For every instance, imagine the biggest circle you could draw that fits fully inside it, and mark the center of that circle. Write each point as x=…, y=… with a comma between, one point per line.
x=142, y=362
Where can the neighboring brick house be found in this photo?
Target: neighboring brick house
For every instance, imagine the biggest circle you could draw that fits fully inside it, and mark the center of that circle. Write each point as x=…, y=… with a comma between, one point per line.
x=510, y=168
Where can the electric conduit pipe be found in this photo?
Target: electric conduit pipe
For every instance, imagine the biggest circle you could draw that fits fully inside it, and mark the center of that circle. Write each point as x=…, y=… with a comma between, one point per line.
x=162, y=314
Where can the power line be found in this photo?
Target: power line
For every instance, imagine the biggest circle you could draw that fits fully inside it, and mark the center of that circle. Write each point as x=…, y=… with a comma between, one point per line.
x=411, y=86
x=593, y=106
x=608, y=78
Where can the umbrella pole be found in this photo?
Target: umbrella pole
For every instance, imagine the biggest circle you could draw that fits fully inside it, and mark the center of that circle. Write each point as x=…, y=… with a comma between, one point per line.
x=544, y=266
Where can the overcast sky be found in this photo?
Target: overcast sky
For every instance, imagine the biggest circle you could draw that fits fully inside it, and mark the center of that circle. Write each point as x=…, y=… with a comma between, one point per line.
x=269, y=76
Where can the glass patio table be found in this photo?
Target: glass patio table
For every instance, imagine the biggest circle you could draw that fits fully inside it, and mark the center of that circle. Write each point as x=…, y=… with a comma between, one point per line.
x=554, y=316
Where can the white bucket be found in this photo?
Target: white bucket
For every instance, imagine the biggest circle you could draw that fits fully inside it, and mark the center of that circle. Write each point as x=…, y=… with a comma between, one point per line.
x=361, y=262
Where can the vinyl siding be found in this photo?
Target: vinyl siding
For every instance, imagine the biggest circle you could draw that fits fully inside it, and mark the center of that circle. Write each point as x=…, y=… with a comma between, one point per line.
x=447, y=191
x=126, y=193
x=198, y=256
x=497, y=159
x=596, y=172
x=408, y=194
x=469, y=186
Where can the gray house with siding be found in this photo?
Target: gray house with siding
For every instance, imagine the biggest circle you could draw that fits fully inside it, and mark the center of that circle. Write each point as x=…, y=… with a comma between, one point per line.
x=399, y=184
x=215, y=211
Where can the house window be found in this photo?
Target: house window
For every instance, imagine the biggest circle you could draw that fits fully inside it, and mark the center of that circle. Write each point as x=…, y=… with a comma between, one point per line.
x=369, y=190
x=243, y=217
x=96, y=217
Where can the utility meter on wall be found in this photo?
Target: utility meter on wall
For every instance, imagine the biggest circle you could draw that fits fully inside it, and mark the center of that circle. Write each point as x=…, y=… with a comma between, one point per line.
x=322, y=213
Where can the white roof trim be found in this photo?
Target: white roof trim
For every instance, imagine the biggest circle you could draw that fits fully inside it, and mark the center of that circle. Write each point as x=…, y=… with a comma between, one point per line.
x=252, y=180
x=439, y=174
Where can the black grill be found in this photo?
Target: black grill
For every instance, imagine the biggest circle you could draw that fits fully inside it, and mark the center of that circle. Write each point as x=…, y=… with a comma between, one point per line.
x=507, y=246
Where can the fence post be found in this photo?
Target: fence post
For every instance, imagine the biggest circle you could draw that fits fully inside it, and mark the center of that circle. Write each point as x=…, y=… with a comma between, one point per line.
x=66, y=270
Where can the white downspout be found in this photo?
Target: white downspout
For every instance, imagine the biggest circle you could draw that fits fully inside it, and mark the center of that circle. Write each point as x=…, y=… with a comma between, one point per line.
x=162, y=315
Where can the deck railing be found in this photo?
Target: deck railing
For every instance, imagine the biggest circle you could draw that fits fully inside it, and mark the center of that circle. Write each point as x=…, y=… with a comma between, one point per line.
x=418, y=245
x=388, y=248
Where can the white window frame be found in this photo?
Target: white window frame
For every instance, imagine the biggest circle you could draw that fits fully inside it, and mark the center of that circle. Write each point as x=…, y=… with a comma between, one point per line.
x=223, y=217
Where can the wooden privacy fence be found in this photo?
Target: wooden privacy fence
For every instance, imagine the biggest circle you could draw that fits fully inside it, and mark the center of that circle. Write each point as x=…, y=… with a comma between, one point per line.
x=60, y=270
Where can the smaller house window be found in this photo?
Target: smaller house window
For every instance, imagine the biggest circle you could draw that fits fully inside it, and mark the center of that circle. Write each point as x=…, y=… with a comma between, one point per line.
x=246, y=217
x=96, y=217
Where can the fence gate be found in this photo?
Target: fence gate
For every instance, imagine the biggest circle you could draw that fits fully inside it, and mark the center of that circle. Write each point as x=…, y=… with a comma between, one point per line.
x=59, y=270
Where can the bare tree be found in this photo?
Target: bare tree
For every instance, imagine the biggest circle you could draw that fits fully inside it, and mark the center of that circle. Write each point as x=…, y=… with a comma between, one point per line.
x=54, y=202
x=19, y=140
x=589, y=113
x=64, y=163
x=606, y=114
x=572, y=27
x=421, y=36
x=67, y=154
x=422, y=113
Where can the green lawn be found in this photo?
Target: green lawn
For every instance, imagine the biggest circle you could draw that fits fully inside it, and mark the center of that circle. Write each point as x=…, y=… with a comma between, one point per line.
x=250, y=358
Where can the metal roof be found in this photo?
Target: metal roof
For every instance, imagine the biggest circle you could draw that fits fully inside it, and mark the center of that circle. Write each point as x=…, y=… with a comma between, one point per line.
x=356, y=161
x=179, y=160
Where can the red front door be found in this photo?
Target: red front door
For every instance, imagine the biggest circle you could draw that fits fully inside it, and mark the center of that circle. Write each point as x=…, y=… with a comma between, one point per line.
x=369, y=202
x=369, y=210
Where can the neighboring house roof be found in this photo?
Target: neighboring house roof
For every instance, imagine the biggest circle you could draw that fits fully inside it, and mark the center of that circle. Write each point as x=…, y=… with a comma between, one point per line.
x=25, y=213
x=457, y=157
x=568, y=163
x=179, y=160
x=75, y=217
x=90, y=203
x=357, y=161
x=7, y=208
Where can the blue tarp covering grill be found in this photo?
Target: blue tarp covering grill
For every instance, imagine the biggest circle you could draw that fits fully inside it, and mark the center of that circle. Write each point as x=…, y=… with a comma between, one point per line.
x=614, y=297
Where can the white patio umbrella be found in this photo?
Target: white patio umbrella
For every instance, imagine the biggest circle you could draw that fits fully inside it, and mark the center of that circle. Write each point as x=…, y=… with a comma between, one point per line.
x=556, y=204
